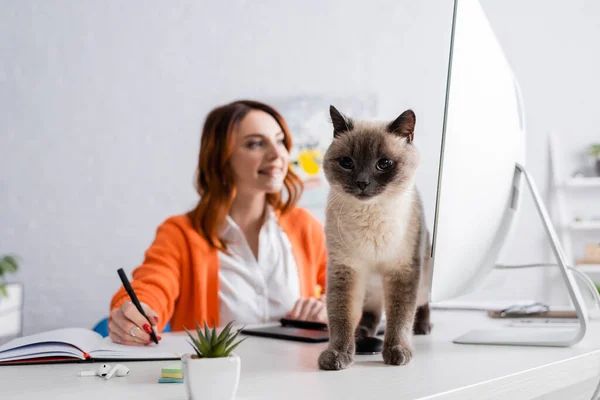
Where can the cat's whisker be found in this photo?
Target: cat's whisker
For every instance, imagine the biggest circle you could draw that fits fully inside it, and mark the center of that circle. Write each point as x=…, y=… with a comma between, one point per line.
x=332, y=200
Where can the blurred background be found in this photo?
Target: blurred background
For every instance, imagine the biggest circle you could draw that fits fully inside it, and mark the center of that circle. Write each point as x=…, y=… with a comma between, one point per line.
x=102, y=103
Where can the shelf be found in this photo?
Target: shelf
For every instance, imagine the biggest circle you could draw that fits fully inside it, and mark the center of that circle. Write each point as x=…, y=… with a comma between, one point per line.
x=591, y=182
x=585, y=225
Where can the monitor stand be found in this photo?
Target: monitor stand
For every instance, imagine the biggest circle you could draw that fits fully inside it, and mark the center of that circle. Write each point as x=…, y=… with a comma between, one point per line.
x=552, y=336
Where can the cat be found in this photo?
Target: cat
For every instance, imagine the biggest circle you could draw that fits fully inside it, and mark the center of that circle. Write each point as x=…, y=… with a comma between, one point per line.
x=377, y=240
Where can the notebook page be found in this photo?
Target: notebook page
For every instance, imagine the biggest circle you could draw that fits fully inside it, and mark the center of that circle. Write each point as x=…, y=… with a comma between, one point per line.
x=41, y=350
x=68, y=341
x=170, y=347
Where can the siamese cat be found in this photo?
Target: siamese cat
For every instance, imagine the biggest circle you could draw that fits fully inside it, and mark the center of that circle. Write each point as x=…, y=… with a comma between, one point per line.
x=377, y=241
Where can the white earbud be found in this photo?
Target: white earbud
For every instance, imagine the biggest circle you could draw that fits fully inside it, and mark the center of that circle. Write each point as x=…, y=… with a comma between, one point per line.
x=101, y=371
x=119, y=370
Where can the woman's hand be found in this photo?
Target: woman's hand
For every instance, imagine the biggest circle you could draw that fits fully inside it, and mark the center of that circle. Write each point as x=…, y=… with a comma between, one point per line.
x=309, y=309
x=128, y=326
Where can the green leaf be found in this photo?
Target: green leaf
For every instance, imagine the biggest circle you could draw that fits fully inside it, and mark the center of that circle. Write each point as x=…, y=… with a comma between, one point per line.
x=200, y=347
x=12, y=261
x=195, y=342
x=205, y=342
x=188, y=332
x=196, y=350
x=205, y=347
x=8, y=264
x=206, y=331
x=225, y=332
x=3, y=290
x=220, y=346
x=206, y=336
x=222, y=340
x=201, y=335
x=229, y=350
x=213, y=338
x=234, y=336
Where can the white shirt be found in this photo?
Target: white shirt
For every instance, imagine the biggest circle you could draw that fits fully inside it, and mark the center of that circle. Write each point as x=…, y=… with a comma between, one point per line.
x=255, y=291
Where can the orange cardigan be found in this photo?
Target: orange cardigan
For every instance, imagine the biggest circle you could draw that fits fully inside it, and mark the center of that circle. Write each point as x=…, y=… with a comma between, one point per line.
x=179, y=278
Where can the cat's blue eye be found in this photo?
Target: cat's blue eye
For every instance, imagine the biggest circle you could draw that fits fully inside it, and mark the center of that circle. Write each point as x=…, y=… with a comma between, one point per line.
x=346, y=162
x=384, y=164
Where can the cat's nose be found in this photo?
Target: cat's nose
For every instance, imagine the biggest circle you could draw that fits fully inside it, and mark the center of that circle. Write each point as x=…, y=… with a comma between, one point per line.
x=362, y=184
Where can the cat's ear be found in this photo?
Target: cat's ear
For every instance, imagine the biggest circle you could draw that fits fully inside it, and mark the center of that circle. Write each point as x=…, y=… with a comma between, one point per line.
x=404, y=125
x=341, y=123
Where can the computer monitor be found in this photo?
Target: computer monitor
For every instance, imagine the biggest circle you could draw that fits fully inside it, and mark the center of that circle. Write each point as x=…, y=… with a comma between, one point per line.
x=482, y=163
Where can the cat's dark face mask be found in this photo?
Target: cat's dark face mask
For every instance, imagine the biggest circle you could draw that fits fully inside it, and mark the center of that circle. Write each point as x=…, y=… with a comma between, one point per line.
x=365, y=175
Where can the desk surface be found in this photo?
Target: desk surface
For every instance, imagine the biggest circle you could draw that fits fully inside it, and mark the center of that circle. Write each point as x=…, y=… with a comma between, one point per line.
x=274, y=369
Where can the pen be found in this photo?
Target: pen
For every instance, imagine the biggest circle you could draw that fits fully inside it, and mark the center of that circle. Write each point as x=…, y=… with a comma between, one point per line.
x=135, y=300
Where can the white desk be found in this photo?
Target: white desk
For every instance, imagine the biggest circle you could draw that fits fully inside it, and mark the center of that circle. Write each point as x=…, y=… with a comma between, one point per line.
x=275, y=369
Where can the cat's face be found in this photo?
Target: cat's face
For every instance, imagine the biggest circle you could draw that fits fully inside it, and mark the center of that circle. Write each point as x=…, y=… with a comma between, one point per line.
x=368, y=159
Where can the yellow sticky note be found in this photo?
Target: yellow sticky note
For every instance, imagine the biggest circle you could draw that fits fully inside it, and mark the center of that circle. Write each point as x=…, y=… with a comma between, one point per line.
x=172, y=371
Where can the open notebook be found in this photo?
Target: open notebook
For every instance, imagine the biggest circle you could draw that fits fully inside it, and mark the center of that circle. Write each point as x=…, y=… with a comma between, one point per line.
x=78, y=344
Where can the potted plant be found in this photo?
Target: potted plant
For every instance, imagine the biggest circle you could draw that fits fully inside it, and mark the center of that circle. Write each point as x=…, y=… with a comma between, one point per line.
x=594, y=151
x=213, y=372
x=8, y=264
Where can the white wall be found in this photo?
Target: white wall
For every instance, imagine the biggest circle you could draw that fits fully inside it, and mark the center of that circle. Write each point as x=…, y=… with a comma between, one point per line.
x=101, y=105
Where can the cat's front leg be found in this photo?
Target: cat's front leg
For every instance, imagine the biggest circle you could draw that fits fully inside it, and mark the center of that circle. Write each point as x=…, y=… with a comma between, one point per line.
x=400, y=290
x=345, y=293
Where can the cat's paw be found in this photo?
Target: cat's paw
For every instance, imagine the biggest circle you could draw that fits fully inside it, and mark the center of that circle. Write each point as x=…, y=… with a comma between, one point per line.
x=397, y=355
x=333, y=360
x=422, y=328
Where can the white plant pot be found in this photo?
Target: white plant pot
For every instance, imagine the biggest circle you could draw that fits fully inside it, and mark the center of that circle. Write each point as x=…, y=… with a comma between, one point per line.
x=211, y=378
